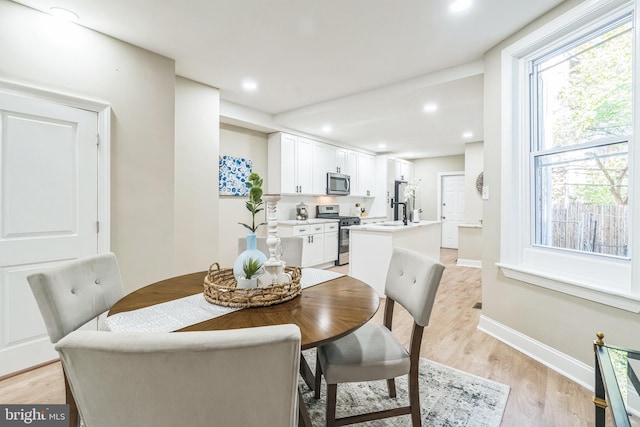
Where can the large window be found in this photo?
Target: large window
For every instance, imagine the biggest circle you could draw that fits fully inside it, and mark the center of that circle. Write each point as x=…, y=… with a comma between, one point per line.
x=568, y=100
x=581, y=103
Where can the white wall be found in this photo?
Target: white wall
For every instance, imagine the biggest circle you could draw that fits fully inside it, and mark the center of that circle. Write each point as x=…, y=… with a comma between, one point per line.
x=239, y=142
x=139, y=86
x=473, y=166
x=551, y=322
x=427, y=170
x=196, y=176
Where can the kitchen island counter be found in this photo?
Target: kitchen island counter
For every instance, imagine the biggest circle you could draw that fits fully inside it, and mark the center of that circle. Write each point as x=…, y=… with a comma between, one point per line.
x=371, y=246
x=392, y=226
x=309, y=221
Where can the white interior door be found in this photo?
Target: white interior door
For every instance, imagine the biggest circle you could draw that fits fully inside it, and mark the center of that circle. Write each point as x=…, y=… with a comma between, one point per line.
x=452, y=209
x=48, y=212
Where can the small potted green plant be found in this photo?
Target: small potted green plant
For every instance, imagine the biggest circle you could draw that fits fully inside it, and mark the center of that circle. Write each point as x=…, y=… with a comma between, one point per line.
x=250, y=268
x=255, y=205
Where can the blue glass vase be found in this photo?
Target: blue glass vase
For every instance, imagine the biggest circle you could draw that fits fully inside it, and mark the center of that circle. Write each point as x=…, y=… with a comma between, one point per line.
x=251, y=252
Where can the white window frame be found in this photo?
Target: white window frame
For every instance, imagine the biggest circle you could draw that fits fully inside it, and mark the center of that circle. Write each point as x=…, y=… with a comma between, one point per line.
x=605, y=280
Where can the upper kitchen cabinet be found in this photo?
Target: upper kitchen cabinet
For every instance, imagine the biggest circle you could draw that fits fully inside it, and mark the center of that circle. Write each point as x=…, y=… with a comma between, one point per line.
x=403, y=170
x=366, y=184
x=387, y=171
x=321, y=156
x=330, y=158
x=290, y=164
x=336, y=159
x=299, y=166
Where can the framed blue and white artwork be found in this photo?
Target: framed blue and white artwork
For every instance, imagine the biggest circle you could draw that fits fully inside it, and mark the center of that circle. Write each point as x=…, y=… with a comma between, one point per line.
x=233, y=173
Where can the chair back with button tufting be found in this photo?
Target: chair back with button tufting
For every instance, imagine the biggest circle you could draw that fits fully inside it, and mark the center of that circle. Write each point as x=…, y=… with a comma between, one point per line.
x=412, y=281
x=72, y=293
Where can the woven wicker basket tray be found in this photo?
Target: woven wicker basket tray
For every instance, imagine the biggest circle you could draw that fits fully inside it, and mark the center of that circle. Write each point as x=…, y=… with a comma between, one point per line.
x=220, y=288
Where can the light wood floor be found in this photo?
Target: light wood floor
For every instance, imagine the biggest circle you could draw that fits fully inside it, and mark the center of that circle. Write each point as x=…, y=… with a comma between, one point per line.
x=539, y=396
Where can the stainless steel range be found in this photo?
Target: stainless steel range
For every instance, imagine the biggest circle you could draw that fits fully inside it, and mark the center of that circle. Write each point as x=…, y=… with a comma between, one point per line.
x=333, y=211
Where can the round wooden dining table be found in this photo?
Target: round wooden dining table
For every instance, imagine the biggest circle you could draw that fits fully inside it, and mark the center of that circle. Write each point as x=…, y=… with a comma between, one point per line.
x=323, y=312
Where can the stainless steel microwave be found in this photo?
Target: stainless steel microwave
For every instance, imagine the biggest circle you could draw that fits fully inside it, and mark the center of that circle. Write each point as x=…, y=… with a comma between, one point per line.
x=338, y=184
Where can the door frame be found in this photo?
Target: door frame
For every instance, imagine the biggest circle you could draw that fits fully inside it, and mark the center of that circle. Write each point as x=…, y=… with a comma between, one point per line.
x=103, y=111
x=441, y=176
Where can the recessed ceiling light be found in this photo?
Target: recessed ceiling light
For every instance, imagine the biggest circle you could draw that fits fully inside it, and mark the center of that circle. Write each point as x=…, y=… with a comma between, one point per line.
x=460, y=5
x=382, y=145
x=250, y=85
x=430, y=108
x=326, y=128
x=467, y=135
x=64, y=14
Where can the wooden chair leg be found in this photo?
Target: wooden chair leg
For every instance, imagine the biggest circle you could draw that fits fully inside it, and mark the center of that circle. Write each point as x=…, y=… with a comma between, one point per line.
x=391, y=386
x=303, y=415
x=318, y=379
x=414, y=401
x=73, y=408
x=332, y=391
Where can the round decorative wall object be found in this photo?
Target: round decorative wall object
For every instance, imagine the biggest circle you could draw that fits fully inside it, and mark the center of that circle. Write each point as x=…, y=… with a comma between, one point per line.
x=480, y=183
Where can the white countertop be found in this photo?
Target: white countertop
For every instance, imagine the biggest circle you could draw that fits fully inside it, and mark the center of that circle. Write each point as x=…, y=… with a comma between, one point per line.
x=469, y=225
x=373, y=218
x=391, y=226
x=307, y=222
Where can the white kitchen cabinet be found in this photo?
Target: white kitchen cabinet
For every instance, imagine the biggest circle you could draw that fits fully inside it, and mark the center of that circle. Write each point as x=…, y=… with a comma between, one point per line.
x=313, y=247
x=366, y=175
x=313, y=252
x=403, y=170
x=326, y=158
x=321, y=161
x=290, y=164
x=330, y=242
x=299, y=166
x=352, y=162
x=320, y=244
x=331, y=246
x=387, y=171
x=352, y=171
x=382, y=193
x=336, y=159
x=330, y=227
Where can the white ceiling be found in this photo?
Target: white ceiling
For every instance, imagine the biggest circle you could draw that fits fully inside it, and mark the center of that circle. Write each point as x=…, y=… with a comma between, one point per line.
x=365, y=67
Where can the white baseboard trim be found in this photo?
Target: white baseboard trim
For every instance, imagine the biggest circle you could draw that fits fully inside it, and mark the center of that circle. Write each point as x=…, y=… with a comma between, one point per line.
x=469, y=263
x=569, y=367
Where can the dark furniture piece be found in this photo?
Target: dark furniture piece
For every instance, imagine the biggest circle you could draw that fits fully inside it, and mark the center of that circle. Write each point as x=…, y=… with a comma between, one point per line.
x=616, y=375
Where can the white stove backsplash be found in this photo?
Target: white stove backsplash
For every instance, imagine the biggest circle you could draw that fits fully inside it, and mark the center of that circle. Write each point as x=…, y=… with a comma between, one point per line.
x=287, y=205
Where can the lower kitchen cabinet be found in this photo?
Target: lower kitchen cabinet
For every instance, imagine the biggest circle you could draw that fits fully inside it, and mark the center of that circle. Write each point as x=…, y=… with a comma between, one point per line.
x=330, y=246
x=313, y=252
x=320, y=244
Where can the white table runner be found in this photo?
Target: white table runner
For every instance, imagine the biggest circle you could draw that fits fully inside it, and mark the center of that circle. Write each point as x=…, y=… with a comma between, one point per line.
x=180, y=313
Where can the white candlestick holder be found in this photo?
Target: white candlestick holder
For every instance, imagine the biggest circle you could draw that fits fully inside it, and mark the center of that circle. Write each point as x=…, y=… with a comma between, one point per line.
x=274, y=265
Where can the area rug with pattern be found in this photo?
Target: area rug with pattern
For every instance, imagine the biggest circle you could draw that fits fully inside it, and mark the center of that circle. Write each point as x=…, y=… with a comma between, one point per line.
x=448, y=398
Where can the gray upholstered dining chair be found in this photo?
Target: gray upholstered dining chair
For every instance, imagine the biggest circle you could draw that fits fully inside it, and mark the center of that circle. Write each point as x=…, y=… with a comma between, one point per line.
x=292, y=248
x=73, y=293
x=238, y=377
x=372, y=352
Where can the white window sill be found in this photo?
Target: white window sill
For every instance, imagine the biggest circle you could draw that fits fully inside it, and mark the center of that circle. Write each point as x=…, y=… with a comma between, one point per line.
x=621, y=300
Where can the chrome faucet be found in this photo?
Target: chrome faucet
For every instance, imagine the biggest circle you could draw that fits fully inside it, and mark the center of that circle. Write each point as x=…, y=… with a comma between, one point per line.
x=404, y=210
